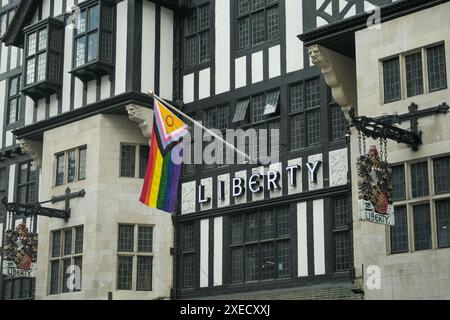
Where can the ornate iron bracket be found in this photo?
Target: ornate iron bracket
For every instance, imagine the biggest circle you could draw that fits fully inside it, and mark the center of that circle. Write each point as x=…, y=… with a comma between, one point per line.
x=35, y=209
x=384, y=127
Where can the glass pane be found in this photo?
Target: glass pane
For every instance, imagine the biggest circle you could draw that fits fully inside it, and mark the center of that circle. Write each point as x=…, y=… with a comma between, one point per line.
x=442, y=175
x=126, y=238
x=79, y=240
x=399, y=232
x=258, y=4
x=204, y=44
x=258, y=28
x=203, y=17
x=241, y=110
x=312, y=93
x=251, y=227
x=71, y=166
x=31, y=44
x=17, y=286
x=273, y=24
x=243, y=32
x=78, y=261
x=31, y=65
x=267, y=261
x=443, y=223
x=342, y=242
x=54, y=277
x=190, y=51
x=80, y=47
x=191, y=23
x=414, y=74
x=283, y=222
x=258, y=104
x=94, y=17
x=66, y=264
x=437, y=74
x=145, y=239
x=297, y=130
x=391, y=76
x=313, y=126
x=42, y=40
x=419, y=180
x=189, y=237
x=60, y=170
x=92, y=47
x=267, y=225
x=128, y=161
x=422, y=227
x=41, y=71
x=271, y=103
x=251, y=263
x=81, y=22
x=14, y=86
x=125, y=273
x=398, y=184
x=341, y=213
x=338, y=123
x=237, y=265
x=284, y=259
x=188, y=271
x=297, y=97
x=222, y=117
x=82, y=164
x=237, y=229
x=144, y=153
x=243, y=7
x=68, y=242
x=144, y=273
x=56, y=244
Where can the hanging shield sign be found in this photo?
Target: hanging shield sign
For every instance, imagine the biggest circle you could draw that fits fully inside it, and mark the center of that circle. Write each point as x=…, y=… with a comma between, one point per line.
x=375, y=188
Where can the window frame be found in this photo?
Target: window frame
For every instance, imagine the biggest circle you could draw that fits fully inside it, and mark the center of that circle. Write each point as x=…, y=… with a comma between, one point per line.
x=258, y=242
x=77, y=178
x=28, y=183
x=196, y=35
x=411, y=202
x=139, y=168
x=216, y=112
x=135, y=254
x=15, y=97
x=63, y=257
x=425, y=76
x=85, y=34
x=304, y=111
x=249, y=16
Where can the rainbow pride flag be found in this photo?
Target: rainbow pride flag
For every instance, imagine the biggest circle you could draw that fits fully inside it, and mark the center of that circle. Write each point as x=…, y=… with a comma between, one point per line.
x=162, y=178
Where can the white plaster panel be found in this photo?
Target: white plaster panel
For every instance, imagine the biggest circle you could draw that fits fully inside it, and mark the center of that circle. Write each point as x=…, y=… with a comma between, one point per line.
x=257, y=67
x=274, y=61
x=294, y=27
x=204, y=253
x=302, y=239
x=188, y=197
x=166, y=54
x=224, y=203
x=148, y=46
x=188, y=88
x=121, y=47
x=243, y=198
x=299, y=187
x=319, y=237
x=208, y=193
x=204, y=83
x=338, y=167
x=319, y=184
x=218, y=251
x=222, y=43
x=240, y=72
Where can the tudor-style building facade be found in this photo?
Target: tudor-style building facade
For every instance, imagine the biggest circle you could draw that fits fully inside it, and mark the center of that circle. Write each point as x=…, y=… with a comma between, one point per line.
x=83, y=123
x=399, y=67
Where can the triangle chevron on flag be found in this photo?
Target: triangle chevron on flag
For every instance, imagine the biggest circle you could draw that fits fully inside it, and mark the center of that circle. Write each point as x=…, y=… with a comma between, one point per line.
x=163, y=175
x=170, y=127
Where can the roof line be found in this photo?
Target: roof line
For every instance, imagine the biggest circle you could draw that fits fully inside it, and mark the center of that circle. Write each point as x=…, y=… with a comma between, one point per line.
x=359, y=22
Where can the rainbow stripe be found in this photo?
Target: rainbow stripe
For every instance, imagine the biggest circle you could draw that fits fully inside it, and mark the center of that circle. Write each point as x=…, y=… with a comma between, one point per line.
x=162, y=179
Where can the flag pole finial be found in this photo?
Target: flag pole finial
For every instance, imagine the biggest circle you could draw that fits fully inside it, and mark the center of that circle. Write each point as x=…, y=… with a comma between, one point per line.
x=151, y=93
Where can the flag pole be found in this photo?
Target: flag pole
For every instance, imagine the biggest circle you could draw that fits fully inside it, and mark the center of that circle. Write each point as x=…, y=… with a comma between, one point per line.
x=168, y=105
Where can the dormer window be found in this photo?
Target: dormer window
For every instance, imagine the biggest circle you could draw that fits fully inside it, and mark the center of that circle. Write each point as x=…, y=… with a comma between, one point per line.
x=93, y=41
x=43, y=59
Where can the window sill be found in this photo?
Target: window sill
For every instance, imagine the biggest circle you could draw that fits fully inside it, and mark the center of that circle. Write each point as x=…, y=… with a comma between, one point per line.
x=93, y=70
x=257, y=47
x=42, y=89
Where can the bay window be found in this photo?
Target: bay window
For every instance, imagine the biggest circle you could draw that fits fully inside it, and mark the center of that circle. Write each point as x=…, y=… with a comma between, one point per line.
x=43, y=59
x=93, y=40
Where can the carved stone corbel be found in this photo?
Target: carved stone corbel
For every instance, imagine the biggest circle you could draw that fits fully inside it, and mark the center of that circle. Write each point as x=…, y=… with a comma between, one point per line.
x=143, y=117
x=33, y=148
x=340, y=74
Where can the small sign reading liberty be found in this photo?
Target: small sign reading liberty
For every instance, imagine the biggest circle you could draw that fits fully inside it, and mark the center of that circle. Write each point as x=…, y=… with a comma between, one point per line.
x=375, y=187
